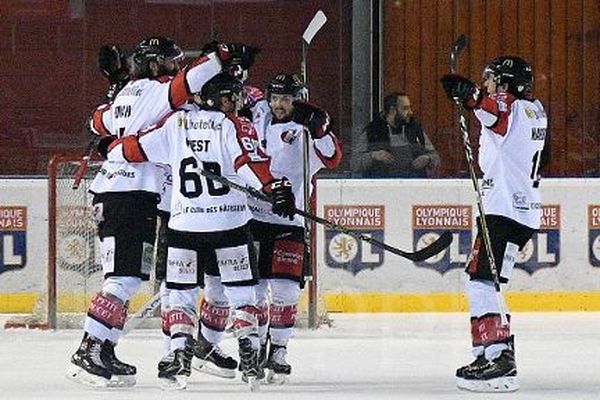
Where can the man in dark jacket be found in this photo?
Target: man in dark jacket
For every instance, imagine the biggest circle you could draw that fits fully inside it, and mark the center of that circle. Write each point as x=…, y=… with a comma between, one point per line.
x=394, y=144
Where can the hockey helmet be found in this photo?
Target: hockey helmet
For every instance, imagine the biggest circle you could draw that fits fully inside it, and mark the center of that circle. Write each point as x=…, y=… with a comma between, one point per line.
x=290, y=84
x=221, y=85
x=514, y=71
x=155, y=48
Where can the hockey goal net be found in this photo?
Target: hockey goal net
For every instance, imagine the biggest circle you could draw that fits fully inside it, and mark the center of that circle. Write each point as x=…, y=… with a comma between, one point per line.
x=74, y=272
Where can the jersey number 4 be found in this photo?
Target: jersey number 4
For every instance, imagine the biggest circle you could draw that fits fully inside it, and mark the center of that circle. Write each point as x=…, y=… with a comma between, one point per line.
x=191, y=180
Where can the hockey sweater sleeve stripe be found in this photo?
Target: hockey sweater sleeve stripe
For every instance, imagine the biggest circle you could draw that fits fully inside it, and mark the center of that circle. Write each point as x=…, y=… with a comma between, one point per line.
x=494, y=111
x=179, y=91
x=329, y=150
x=97, y=123
x=132, y=151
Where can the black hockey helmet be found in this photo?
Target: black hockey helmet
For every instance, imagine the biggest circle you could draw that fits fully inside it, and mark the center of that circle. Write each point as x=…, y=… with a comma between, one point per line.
x=155, y=48
x=290, y=84
x=514, y=71
x=221, y=85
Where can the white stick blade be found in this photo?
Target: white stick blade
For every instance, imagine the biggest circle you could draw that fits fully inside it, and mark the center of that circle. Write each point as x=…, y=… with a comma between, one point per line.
x=315, y=25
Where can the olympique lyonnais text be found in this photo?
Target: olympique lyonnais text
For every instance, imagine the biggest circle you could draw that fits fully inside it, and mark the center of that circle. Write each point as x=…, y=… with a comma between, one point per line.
x=356, y=216
x=442, y=216
x=12, y=218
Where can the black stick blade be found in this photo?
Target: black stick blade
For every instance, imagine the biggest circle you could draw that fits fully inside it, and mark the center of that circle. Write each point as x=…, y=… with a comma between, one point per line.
x=434, y=248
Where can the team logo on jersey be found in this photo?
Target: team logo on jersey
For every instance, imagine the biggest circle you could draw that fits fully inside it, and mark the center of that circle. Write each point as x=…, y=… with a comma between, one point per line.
x=543, y=249
x=13, y=237
x=430, y=221
x=289, y=136
x=346, y=252
x=76, y=247
x=594, y=234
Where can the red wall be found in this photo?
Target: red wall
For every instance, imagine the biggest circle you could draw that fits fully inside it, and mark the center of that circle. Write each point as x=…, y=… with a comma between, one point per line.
x=49, y=79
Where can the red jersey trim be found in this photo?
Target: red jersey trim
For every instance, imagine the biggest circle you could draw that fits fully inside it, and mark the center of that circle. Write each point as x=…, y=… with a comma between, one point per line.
x=335, y=159
x=132, y=151
x=179, y=91
x=97, y=123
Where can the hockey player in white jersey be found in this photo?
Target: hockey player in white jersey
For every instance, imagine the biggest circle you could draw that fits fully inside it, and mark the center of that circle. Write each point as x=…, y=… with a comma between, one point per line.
x=512, y=140
x=208, y=230
x=281, y=121
x=126, y=196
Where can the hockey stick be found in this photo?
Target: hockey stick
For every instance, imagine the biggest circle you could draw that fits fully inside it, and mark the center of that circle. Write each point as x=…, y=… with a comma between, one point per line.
x=315, y=25
x=457, y=47
x=84, y=163
x=420, y=255
x=145, y=311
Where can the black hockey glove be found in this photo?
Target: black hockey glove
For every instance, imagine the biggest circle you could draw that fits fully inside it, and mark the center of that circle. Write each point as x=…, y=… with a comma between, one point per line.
x=232, y=54
x=314, y=118
x=284, y=202
x=103, y=145
x=462, y=89
x=113, y=64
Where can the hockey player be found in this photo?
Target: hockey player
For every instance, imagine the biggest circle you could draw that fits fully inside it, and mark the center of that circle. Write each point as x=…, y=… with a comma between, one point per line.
x=281, y=122
x=513, y=133
x=208, y=230
x=126, y=196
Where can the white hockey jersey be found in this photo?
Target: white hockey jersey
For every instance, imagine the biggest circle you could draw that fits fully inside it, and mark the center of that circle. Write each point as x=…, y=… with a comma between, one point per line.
x=189, y=140
x=511, y=143
x=140, y=104
x=283, y=143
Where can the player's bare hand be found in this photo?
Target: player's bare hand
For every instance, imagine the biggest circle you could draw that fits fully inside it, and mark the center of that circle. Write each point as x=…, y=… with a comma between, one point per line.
x=383, y=156
x=421, y=162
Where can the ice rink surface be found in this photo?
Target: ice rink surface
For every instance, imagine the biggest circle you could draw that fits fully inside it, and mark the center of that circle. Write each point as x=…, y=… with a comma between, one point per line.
x=381, y=356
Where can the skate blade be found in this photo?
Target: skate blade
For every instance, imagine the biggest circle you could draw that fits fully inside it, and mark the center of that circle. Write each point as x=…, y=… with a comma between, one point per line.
x=81, y=376
x=253, y=384
x=504, y=384
x=172, y=384
x=208, y=368
x=274, y=378
x=122, y=381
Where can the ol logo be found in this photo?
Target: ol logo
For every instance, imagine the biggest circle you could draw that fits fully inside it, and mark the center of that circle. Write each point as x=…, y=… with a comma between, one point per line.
x=346, y=252
x=594, y=234
x=543, y=249
x=13, y=237
x=430, y=221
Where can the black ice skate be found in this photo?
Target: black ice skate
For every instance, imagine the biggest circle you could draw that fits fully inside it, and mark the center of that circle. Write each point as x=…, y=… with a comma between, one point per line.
x=210, y=359
x=165, y=361
x=123, y=375
x=499, y=375
x=87, y=366
x=251, y=372
x=478, y=363
x=277, y=365
x=262, y=355
x=174, y=376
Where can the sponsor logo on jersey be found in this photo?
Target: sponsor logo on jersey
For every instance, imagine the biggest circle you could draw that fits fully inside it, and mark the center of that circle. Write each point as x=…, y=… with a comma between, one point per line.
x=120, y=172
x=520, y=201
x=13, y=237
x=346, y=252
x=289, y=136
x=186, y=123
x=543, y=249
x=594, y=234
x=430, y=221
x=76, y=246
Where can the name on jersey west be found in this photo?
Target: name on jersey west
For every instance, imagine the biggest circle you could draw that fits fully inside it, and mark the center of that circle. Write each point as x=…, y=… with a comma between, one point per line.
x=429, y=221
x=344, y=251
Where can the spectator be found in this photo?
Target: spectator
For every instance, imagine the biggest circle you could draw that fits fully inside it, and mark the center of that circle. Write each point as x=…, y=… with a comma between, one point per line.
x=394, y=145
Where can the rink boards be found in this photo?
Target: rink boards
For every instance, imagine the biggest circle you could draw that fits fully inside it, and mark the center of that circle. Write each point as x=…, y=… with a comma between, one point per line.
x=559, y=269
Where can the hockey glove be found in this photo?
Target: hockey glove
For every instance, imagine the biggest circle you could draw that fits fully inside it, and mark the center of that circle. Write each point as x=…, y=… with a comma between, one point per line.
x=314, y=118
x=284, y=202
x=113, y=64
x=252, y=95
x=104, y=144
x=462, y=89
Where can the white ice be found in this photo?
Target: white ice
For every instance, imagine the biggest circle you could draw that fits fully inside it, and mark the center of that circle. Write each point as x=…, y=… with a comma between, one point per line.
x=381, y=356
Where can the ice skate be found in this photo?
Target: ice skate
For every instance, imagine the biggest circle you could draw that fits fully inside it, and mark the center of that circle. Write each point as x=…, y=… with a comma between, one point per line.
x=479, y=362
x=174, y=376
x=499, y=375
x=123, y=374
x=251, y=372
x=278, y=368
x=87, y=367
x=165, y=361
x=210, y=359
